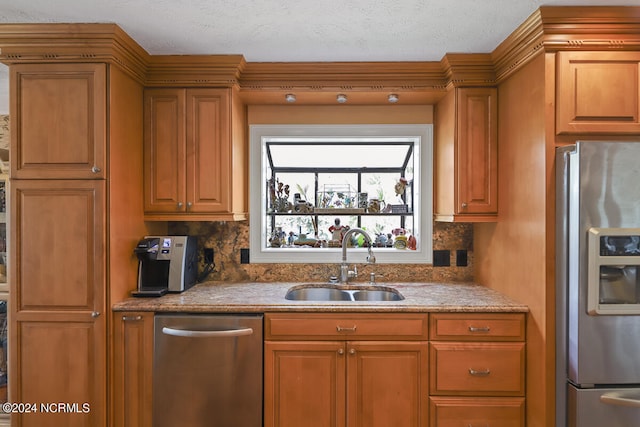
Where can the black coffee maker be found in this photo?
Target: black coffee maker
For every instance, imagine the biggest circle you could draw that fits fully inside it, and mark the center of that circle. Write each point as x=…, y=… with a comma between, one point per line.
x=166, y=264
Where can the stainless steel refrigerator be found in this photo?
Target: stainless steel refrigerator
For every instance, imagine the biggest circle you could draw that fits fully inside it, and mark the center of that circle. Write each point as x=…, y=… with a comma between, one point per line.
x=598, y=285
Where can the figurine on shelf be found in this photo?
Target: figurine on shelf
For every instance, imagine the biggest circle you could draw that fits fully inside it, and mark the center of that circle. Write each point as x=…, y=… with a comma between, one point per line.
x=412, y=243
x=401, y=185
x=400, y=241
x=279, y=193
x=337, y=231
x=277, y=238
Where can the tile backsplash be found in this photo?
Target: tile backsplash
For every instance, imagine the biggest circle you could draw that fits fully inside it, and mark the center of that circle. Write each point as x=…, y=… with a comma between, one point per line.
x=228, y=238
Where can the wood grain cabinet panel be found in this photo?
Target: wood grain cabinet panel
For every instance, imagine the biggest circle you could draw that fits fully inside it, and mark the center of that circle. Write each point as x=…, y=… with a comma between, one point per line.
x=321, y=326
x=477, y=411
x=598, y=92
x=347, y=380
x=133, y=366
x=58, y=329
x=466, y=156
x=494, y=369
x=477, y=369
x=58, y=127
x=477, y=327
x=194, y=158
x=304, y=384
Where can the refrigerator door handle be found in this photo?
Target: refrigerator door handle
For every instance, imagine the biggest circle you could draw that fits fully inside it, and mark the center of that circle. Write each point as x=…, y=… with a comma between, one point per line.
x=206, y=334
x=620, y=398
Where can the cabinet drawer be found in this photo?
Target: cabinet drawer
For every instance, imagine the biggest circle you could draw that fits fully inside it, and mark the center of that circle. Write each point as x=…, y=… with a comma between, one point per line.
x=489, y=369
x=323, y=326
x=479, y=411
x=477, y=327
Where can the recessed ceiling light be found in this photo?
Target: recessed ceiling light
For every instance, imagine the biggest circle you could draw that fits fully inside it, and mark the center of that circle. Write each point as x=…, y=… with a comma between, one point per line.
x=341, y=98
x=290, y=97
x=393, y=98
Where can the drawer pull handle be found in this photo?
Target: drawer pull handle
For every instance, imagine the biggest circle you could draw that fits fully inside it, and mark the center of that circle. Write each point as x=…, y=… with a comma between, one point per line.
x=471, y=425
x=479, y=329
x=343, y=329
x=131, y=318
x=482, y=373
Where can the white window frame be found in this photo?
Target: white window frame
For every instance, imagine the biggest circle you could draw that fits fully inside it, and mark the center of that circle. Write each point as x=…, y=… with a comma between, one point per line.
x=421, y=134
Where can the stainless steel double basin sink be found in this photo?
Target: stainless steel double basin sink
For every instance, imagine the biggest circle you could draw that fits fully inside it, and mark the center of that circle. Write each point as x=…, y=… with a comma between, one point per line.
x=314, y=292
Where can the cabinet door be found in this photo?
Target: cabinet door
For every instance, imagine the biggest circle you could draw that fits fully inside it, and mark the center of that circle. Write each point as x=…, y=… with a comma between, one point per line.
x=58, y=127
x=58, y=326
x=304, y=384
x=164, y=150
x=133, y=362
x=477, y=151
x=387, y=384
x=208, y=144
x=598, y=92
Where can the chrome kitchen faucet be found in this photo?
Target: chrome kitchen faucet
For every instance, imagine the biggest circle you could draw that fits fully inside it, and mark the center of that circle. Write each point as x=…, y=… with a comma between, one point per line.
x=345, y=273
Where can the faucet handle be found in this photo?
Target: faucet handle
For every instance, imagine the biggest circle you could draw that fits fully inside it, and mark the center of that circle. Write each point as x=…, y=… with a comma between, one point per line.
x=353, y=273
x=372, y=277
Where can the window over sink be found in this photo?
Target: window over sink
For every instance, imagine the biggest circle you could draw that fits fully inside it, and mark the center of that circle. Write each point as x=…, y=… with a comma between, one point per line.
x=310, y=183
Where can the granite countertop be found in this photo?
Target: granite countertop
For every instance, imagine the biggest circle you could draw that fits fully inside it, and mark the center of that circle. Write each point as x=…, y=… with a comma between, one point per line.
x=210, y=297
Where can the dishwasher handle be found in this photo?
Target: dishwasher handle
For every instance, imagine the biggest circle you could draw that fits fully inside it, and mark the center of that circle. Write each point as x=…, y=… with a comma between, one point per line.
x=176, y=332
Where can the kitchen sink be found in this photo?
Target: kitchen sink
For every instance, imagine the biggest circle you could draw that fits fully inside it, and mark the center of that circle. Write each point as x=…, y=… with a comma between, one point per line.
x=317, y=294
x=377, y=295
x=342, y=293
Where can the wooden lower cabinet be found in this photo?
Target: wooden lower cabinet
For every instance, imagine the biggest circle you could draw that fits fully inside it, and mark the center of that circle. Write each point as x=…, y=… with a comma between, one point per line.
x=338, y=380
x=132, y=368
x=304, y=384
x=476, y=411
x=477, y=369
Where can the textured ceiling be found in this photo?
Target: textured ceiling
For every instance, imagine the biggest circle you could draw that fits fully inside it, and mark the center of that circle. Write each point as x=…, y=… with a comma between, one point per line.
x=300, y=30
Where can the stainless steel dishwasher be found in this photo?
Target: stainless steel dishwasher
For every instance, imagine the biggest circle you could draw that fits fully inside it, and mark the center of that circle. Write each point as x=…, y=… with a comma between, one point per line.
x=207, y=370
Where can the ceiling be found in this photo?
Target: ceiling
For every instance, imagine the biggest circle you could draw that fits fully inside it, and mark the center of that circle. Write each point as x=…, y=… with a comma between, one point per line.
x=300, y=30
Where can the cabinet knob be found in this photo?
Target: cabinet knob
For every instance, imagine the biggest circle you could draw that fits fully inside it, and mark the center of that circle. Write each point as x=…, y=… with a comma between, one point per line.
x=95, y=314
x=340, y=351
x=95, y=169
x=464, y=205
x=352, y=351
x=179, y=205
x=189, y=204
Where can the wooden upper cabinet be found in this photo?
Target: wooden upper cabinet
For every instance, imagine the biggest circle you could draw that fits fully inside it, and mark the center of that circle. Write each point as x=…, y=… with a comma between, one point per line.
x=59, y=121
x=194, y=162
x=598, y=92
x=466, y=156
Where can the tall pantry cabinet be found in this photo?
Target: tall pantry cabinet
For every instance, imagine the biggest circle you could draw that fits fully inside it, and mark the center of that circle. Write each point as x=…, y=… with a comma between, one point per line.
x=76, y=192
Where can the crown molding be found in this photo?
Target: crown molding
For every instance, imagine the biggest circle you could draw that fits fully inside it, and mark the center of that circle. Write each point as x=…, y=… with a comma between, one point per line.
x=34, y=43
x=551, y=29
x=548, y=29
x=194, y=70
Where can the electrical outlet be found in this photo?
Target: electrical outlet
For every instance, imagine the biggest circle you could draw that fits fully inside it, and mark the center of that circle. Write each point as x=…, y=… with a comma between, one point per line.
x=442, y=258
x=244, y=256
x=208, y=255
x=461, y=258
